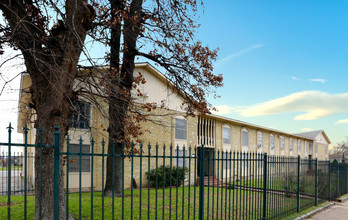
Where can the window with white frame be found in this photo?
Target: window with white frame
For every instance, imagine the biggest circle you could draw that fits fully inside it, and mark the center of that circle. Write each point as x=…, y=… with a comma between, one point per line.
x=227, y=135
x=80, y=118
x=226, y=158
x=206, y=133
x=291, y=145
x=180, y=129
x=259, y=139
x=272, y=141
x=245, y=159
x=85, y=160
x=260, y=161
x=299, y=146
x=306, y=147
x=245, y=137
x=282, y=143
x=180, y=159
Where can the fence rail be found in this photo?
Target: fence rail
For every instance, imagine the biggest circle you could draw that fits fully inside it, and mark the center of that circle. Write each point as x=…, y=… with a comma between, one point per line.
x=168, y=182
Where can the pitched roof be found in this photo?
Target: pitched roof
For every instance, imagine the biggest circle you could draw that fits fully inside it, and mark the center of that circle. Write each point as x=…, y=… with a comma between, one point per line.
x=313, y=134
x=310, y=134
x=243, y=123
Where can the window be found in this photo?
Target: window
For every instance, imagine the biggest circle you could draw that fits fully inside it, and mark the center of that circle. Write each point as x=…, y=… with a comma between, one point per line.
x=206, y=133
x=272, y=141
x=245, y=160
x=282, y=143
x=180, y=129
x=299, y=146
x=316, y=147
x=245, y=137
x=81, y=116
x=179, y=158
x=85, y=160
x=226, y=158
x=227, y=135
x=306, y=147
x=259, y=139
x=260, y=161
x=291, y=145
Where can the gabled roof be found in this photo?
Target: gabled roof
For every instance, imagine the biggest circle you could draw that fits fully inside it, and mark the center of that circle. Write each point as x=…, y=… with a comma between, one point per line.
x=310, y=134
x=314, y=134
x=25, y=83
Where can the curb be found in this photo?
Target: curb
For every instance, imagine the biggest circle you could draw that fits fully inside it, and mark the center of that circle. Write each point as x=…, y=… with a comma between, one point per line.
x=342, y=200
x=316, y=210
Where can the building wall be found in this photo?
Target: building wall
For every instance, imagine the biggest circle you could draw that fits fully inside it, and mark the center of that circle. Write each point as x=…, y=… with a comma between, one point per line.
x=163, y=132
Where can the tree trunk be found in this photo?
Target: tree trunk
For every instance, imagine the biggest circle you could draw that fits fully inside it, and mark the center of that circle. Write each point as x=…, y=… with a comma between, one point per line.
x=120, y=96
x=52, y=109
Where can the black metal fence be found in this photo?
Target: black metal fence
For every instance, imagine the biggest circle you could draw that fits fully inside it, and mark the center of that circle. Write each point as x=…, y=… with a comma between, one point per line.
x=166, y=182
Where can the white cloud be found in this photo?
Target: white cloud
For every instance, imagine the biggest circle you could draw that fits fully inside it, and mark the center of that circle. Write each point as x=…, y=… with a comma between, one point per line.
x=238, y=53
x=306, y=129
x=294, y=78
x=226, y=109
x=313, y=104
x=343, y=121
x=318, y=80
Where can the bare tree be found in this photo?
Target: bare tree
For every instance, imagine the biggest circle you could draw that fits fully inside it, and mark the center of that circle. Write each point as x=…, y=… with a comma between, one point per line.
x=51, y=54
x=340, y=150
x=161, y=31
x=167, y=27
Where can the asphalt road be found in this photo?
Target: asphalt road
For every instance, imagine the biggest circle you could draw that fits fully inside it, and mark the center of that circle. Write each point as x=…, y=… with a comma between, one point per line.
x=337, y=212
x=17, y=183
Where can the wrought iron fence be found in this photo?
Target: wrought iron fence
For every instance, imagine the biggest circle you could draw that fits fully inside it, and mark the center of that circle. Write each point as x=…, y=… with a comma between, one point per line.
x=168, y=182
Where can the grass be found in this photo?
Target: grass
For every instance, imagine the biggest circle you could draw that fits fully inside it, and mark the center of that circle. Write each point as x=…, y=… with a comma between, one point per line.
x=240, y=204
x=305, y=211
x=12, y=168
x=343, y=196
x=282, y=184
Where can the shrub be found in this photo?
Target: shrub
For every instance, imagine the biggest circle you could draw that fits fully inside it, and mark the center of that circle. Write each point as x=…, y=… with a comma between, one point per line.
x=289, y=183
x=165, y=179
x=323, y=184
x=231, y=185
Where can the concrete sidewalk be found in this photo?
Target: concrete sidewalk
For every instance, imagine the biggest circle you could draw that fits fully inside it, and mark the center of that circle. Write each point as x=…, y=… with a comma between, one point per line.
x=338, y=211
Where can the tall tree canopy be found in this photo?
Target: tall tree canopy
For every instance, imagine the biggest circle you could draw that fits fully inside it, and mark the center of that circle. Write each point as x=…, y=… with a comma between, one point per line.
x=51, y=54
x=161, y=31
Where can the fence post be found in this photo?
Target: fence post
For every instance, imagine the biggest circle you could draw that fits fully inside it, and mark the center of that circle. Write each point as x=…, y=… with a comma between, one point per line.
x=329, y=181
x=56, y=172
x=316, y=181
x=264, y=186
x=337, y=179
x=25, y=168
x=298, y=182
x=9, y=173
x=201, y=183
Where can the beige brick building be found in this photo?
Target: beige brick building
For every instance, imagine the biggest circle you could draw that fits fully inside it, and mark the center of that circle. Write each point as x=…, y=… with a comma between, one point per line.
x=213, y=131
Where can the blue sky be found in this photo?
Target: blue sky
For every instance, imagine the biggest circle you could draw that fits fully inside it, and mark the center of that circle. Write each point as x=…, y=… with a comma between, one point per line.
x=284, y=62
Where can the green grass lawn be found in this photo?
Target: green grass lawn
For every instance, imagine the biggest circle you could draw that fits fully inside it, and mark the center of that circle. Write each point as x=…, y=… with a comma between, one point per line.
x=218, y=203
x=12, y=168
x=280, y=183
